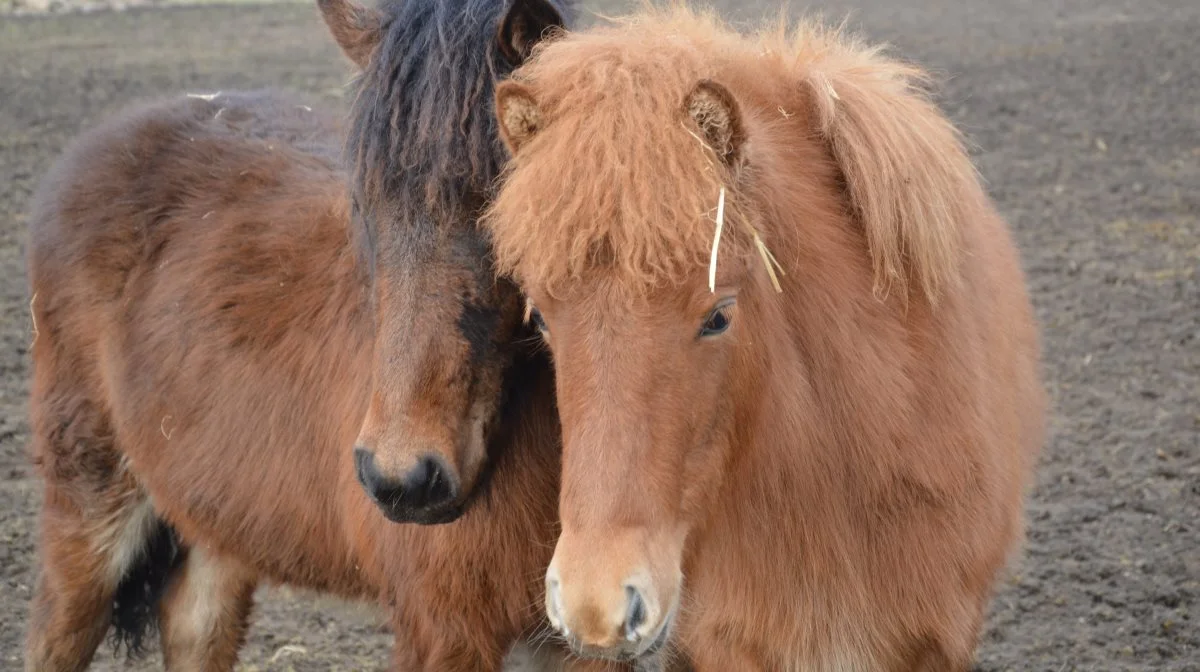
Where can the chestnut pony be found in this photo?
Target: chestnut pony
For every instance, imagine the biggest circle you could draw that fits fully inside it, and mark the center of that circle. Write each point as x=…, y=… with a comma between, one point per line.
x=223, y=313
x=814, y=459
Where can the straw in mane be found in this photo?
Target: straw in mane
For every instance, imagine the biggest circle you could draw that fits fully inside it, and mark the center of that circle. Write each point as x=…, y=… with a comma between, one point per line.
x=638, y=180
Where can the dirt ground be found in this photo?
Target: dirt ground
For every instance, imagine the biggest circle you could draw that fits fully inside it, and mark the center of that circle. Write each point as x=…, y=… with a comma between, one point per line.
x=1086, y=116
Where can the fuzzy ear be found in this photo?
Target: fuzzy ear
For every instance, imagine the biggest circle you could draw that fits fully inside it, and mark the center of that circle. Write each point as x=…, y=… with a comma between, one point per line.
x=357, y=29
x=518, y=114
x=523, y=26
x=908, y=177
x=715, y=112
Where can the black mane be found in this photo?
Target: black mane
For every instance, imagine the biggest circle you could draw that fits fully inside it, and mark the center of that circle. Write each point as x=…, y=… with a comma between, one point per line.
x=423, y=142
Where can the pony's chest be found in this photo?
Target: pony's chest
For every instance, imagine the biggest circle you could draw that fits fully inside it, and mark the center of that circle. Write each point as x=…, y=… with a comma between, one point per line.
x=776, y=602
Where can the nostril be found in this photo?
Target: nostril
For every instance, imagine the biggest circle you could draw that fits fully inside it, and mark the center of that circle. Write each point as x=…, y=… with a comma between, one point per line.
x=428, y=483
x=425, y=494
x=436, y=481
x=635, y=613
x=364, y=467
x=554, y=602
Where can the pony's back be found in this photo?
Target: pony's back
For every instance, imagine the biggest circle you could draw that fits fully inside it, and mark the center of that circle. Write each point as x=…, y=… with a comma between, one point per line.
x=200, y=318
x=114, y=180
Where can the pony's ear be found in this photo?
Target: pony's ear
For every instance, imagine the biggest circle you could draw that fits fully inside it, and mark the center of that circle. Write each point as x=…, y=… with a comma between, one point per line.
x=524, y=24
x=356, y=28
x=714, y=111
x=909, y=180
x=517, y=113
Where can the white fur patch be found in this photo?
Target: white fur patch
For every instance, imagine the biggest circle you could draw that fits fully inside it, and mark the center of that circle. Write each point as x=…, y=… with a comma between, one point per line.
x=198, y=610
x=124, y=535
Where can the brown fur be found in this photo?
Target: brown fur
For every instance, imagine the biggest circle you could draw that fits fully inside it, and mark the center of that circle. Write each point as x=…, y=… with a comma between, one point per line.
x=213, y=355
x=209, y=343
x=835, y=482
x=423, y=150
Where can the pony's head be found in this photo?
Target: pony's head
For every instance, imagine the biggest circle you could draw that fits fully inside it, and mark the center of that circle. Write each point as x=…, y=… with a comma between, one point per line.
x=423, y=151
x=634, y=147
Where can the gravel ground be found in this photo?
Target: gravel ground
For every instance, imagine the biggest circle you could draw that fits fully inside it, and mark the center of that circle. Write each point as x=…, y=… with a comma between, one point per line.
x=1086, y=116
x=41, y=7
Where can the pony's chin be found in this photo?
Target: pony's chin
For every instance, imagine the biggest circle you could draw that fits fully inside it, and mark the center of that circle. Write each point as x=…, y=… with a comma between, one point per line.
x=646, y=658
x=430, y=516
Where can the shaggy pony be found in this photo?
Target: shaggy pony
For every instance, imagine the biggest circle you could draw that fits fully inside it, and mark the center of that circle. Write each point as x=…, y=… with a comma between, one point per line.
x=797, y=367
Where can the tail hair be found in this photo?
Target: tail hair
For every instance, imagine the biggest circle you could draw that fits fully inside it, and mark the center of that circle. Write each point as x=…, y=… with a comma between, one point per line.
x=135, y=607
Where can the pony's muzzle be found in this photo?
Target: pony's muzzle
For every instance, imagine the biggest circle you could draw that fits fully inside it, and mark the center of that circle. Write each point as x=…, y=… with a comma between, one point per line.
x=618, y=625
x=426, y=494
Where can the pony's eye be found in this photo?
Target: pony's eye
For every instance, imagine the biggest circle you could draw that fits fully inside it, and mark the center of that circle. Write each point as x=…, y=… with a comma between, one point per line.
x=532, y=314
x=716, y=322
x=535, y=316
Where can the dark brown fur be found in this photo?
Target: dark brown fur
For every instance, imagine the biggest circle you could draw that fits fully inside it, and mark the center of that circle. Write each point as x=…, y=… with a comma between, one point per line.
x=212, y=330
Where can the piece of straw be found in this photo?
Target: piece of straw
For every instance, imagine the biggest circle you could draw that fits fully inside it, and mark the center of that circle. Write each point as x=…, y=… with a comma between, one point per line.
x=712, y=262
x=774, y=261
x=767, y=258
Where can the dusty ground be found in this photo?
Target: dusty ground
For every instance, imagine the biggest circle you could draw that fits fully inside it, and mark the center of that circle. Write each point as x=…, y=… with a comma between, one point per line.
x=1087, y=118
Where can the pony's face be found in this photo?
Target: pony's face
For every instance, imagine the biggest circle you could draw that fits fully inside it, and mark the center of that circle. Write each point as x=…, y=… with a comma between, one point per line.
x=423, y=152
x=643, y=393
x=445, y=326
x=643, y=357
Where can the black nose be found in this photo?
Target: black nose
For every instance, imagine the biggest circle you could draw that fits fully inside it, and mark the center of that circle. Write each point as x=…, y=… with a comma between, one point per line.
x=426, y=494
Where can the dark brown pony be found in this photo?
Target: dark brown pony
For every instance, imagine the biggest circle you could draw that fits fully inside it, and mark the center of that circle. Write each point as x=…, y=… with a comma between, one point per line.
x=797, y=367
x=223, y=313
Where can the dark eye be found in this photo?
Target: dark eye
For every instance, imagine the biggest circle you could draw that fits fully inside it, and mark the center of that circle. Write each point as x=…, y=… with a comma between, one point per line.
x=717, y=321
x=535, y=316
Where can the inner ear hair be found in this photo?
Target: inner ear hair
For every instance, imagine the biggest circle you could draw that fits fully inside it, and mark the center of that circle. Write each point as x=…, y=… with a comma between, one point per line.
x=715, y=112
x=518, y=114
x=356, y=28
x=525, y=24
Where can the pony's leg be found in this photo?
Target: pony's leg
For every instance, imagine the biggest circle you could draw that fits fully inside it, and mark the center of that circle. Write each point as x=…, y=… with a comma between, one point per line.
x=85, y=552
x=205, y=613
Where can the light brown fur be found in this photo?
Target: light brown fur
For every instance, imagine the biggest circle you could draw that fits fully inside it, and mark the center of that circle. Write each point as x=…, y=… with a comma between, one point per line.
x=845, y=466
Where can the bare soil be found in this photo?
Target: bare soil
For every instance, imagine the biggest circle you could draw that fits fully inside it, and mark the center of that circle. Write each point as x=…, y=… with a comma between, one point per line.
x=1086, y=116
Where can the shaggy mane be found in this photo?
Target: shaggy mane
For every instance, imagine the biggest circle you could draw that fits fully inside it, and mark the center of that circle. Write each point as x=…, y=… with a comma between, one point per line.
x=422, y=143
x=616, y=177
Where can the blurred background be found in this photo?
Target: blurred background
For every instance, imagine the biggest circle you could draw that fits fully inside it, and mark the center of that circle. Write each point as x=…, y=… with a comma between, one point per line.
x=1085, y=121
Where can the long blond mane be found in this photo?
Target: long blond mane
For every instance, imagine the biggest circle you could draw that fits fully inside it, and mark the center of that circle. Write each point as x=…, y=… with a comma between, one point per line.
x=615, y=177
